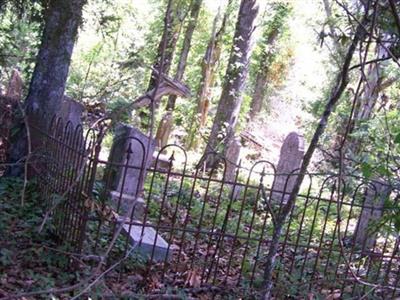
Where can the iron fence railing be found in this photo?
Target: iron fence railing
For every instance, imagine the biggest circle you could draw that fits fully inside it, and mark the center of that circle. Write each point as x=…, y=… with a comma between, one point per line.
x=193, y=228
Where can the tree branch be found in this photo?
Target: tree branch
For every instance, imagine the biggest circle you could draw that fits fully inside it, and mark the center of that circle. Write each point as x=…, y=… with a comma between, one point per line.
x=336, y=93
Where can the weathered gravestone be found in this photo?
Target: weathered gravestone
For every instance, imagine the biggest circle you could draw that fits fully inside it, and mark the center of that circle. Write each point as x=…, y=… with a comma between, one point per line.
x=128, y=171
x=291, y=155
x=374, y=200
x=127, y=174
x=71, y=111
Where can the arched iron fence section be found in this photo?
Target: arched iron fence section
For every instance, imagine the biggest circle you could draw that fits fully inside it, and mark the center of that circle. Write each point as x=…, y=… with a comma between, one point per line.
x=195, y=228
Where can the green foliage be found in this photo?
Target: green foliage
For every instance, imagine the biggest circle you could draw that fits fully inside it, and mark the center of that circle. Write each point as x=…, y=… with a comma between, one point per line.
x=273, y=52
x=20, y=31
x=26, y=260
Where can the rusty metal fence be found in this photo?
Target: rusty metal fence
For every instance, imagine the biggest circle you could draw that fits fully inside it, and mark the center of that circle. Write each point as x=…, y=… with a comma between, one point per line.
x=184, y=227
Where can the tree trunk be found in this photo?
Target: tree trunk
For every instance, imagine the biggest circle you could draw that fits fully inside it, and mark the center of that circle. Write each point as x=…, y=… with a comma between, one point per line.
x=48, y=81
x=170, y=35
x=187, y=41
x=231, y=98
x=367, y=101
x=372, y=88
x=169, y=38
x=47, y=86
x=208, y=68
x=272, y=30
x=261, y=80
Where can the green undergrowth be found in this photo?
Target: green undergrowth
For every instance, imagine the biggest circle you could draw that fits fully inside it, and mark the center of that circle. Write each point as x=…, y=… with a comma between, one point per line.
x=35, y=262
x=29, y=261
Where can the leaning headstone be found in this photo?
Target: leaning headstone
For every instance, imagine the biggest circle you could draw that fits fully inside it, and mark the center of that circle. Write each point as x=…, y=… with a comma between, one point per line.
x=128, y=172
x=371, y=213
x=145, y=244
x=128, y=177
x=291, y=155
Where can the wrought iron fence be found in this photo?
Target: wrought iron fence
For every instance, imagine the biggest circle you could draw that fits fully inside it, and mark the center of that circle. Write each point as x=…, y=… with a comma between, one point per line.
x=195, y=228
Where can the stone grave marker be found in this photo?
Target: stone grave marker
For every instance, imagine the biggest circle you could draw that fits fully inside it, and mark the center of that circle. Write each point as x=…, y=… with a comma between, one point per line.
x=71, y=110
x=291, y=155
x=127, y=185
x=128, y=140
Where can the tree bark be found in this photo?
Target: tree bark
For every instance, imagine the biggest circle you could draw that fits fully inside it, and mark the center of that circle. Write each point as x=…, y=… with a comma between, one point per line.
x=272, y=30
x=231, y=98
x=372, y=88
x=366, y=102
x=170, y=35
x=47, y=86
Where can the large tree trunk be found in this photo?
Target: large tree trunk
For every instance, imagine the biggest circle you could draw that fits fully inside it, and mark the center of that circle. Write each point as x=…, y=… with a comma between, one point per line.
x=46, y=90
x=366, y=103
x=231, y=98
x=165, y=127
x=372, y=88
x=48, y=81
